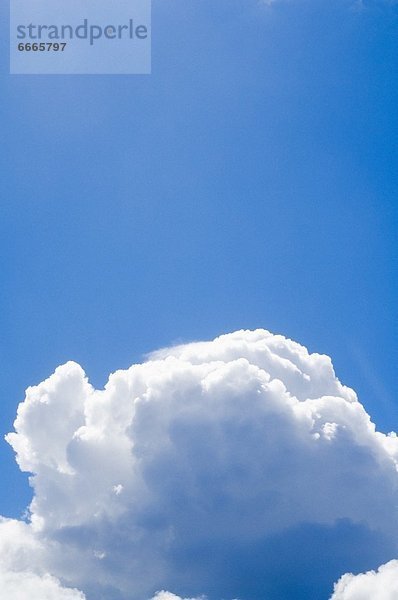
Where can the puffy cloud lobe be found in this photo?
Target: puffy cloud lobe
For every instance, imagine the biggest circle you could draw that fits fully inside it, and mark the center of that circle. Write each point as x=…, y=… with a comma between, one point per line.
x=187, y=471
x=373, y=585
x=22, y=567
x=20, y=586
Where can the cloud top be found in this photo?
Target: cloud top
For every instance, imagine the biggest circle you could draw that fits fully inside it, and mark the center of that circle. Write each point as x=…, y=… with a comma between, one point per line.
x=381, y=584
x=24, y=585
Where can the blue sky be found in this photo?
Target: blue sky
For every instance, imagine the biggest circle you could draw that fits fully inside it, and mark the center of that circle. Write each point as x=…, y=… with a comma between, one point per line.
x=250, y=181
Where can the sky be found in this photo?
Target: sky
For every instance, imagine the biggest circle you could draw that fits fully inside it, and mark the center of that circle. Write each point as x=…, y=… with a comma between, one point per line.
x=249, y=182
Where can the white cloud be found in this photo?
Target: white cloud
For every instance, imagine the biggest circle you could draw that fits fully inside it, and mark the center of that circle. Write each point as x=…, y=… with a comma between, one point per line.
x=22, y=558
x=168, y=596
x=373, y=585
x=187, y=471
x=28, y=586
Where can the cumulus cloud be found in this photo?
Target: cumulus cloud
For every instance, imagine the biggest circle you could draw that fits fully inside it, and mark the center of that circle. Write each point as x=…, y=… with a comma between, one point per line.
x=373, y=585
x=232, y=468
x=23, y=585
